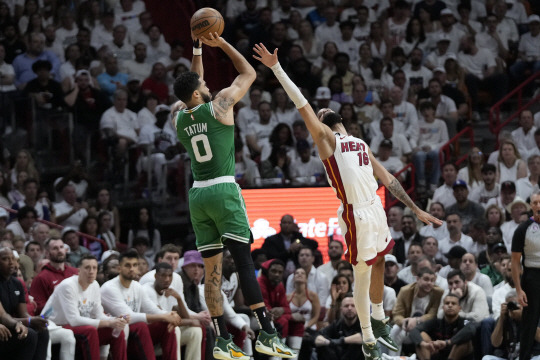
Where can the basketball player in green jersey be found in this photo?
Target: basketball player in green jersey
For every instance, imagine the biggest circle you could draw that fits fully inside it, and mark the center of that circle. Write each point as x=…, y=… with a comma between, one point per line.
x=205, y=127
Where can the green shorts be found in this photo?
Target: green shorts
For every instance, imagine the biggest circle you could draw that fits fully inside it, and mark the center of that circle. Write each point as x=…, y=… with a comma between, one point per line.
x=218, y=212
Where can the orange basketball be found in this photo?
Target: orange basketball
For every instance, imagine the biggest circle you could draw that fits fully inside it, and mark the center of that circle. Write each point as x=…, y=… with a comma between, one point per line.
x=205, y=21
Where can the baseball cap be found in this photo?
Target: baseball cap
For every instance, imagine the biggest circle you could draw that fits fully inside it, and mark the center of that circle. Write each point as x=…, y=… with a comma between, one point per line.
x=456, y=252
x=108, y=254
x=533, y=18
x=82, y=72
x=66, y=230
x=192, y=257
x=133, y=78
x=451, y=56
x=508, y=185
x=323, y=93
x=386, y=143
x=443, y=36
x=446, y=11
x=390, y=258
x=498, y=246
x=439, y=69
x=3, y=213
x=460, y=183
x=517, y=200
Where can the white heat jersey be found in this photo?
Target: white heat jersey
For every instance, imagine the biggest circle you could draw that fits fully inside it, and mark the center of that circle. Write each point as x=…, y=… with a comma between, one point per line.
x=350, y=172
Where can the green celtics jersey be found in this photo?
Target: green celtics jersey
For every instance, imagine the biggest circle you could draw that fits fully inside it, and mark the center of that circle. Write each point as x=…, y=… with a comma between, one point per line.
x=209, y=143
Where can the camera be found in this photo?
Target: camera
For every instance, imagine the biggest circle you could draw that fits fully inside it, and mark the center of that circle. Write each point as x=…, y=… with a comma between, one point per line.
x=512, y=305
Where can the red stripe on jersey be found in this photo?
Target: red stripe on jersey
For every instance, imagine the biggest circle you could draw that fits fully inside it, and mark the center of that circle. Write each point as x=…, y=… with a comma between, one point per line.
x=389, y=248
x=350, y=236
x=332, y=170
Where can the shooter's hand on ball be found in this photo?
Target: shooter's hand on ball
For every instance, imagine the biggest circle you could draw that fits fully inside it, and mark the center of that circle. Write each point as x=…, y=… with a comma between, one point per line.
x=214, y=41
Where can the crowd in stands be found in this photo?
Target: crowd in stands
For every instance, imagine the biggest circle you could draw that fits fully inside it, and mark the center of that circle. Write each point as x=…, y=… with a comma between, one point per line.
x=404, y=75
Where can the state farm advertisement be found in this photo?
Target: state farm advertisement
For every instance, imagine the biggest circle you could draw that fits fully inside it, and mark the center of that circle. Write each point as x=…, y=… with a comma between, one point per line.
x=314, y=210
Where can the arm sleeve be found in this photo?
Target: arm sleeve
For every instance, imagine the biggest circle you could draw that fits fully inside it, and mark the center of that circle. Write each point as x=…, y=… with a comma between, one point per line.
x=465, y=334
x=116, y=306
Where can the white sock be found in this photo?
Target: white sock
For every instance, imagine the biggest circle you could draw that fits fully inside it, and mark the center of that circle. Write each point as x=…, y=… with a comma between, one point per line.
x=377, y=311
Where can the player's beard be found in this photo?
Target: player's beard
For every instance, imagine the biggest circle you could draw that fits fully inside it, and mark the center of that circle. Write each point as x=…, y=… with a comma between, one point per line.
x=206, y=97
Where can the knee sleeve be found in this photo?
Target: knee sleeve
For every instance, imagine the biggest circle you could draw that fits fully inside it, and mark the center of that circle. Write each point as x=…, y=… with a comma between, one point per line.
x=246, y=270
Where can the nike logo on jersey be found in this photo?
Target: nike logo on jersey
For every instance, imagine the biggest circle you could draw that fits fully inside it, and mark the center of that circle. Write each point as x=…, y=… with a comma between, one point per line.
x=54, y=282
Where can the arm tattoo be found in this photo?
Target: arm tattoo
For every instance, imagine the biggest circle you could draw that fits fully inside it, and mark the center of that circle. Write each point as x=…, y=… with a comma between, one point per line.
x=397, y=190
x=222, y=106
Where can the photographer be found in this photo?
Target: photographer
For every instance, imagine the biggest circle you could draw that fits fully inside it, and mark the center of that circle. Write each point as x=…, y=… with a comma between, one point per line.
x=505, y=337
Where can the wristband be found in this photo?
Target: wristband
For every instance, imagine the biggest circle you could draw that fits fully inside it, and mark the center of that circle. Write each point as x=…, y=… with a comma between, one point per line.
x=197, y=51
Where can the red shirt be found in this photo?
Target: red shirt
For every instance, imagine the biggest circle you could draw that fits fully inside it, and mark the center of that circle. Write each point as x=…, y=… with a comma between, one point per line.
x=274, y=296
x=159, y=88
x=44, y=283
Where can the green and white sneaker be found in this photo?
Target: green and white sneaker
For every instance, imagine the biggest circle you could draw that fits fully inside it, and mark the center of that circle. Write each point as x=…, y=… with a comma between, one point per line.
x=371, y=351
x=271, y=344
x=226, y=349
x=381, y=330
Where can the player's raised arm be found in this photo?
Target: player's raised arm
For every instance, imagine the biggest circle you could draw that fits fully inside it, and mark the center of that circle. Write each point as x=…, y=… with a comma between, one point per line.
x=322, y=134
x=196, y=61
x=225, y=100
x=394, y=186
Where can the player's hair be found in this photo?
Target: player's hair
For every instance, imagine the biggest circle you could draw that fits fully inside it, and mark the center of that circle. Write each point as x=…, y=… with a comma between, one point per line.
x=331, y=119
x=163, y=265
x=185, y=85
x=130, y=254
x=87, y=257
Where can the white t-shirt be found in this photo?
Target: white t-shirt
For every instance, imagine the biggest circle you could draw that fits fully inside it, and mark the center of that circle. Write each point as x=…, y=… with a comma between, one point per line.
x=100, y=36
x=130, y=19
x=446, y=244
x=405, y=113
x=445, y=195
x=118, y=300
x=136, y=70
x=434, y=134
x=67, y=37
x=74, y=220
x=69, y=304
x=393, y=164
x=530, y=46
x=419, y=305
x=454, y=35
x=165, y=303
x=177, y=284
x=422, y=75
x=122, y=53
x=477, y=63
x=124, y=124
x=400, y=144
x=7, y=69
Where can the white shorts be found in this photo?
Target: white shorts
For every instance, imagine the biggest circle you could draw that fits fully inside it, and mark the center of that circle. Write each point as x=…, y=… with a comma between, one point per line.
x=365, y=230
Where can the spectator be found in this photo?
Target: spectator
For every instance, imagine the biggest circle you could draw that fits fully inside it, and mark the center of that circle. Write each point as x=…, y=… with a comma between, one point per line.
x=487, y=188
x=433, y=135
x=30, y=188
x=136, y=100
x=189, y=333
x=455, y=226
x=391, y=163
x=88, y=52
x=507, y=194
x=445, y=107
x=407, y=314
x=34, y=250
x=316, y=281
x=529, y=55
x=335, y=253
x=12, y=42
x=346, y=43
x=258, y=133
x=453, y=33
x=248, y=115
x=87, y=104
x=23, y=342
x=286, y=244
x=401, y=147
x=23, y=63
x=395, y=214
x=323, y=98
x=391, y=268
x=466, y=209
x=445, y=193
x=418, y=261
x=76, y=305
x=77, y=177
x=341, y=339
x=157, y=83
x=144, y=226
x=40, y=232
x=502, y=291
x=432, y=7
x=437, y=58
x=516, y=208
x=52, y=273
x=491, y=258
x=76, y=251
x=307, y=170
x=481, y=73
x=120, y=46
x=112, y=79
x=478, y=232
x=526, y=186
x=472, y=299
x=120, y=123
x=305, y=310
x=105, y=227
x=149, y=324
x=102, y=34
x=157, y=46
x=330, y=28
x=448, y=336
x=469, y=268
x=450, y=89
x=430, y=247
x=437, y=210
x=72, y=210
x=137, y=68
x=340, y=287
x=524, y=135
x=410, y=236
x=25, y=221
x=510, y=165
x=405, y=115
x=89, y=226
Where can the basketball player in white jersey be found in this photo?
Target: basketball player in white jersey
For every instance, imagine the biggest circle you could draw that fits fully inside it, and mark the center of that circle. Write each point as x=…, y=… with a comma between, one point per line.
x=351, y=169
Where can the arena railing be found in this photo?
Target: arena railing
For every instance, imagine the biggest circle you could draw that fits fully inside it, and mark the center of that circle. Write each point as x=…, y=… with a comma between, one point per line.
x=495, y=122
